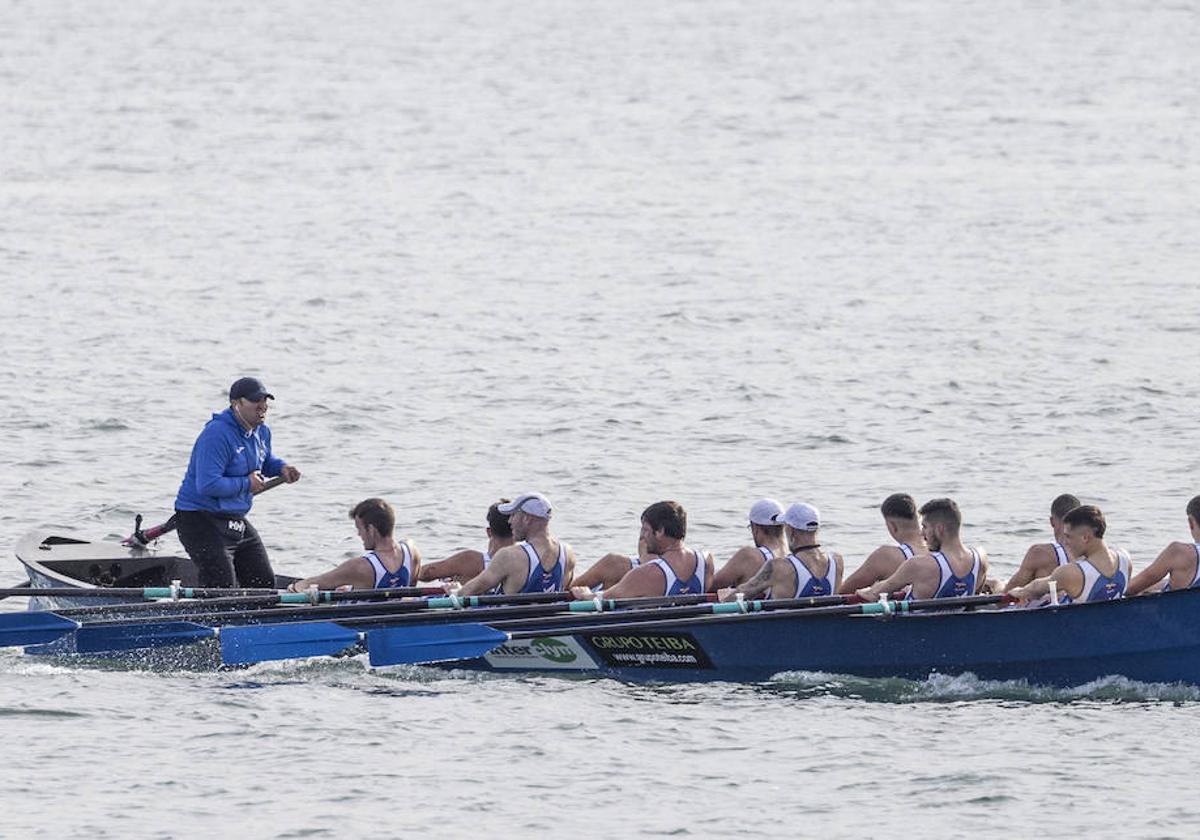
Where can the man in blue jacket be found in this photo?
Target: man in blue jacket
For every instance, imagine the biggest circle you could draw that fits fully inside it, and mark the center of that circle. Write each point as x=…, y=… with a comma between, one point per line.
x=229, y=461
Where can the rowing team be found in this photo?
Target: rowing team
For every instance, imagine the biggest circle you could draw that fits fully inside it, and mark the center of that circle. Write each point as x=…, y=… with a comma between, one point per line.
x=927, y=558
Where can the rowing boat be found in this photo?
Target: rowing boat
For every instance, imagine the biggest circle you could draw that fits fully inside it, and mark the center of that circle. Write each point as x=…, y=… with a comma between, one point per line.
x=1149, y=639
x=61, y=563
x=1154, y=638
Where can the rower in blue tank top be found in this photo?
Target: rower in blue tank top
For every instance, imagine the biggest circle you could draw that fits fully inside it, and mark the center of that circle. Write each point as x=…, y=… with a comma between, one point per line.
x=806, y=572
x=668, y=567
x=903, y=525
x=387, y=562
x=1041, y=559
x=1178, y=565
x=536, y=563
x=1097, y=573
x=948, y=570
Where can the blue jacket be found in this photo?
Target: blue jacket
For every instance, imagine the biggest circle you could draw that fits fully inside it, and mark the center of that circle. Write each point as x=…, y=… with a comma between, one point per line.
x=223, y=457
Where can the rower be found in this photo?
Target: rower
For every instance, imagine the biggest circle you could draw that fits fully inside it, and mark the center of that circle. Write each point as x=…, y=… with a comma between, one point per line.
x=1098, y=573
x=948, y=569
x=386, y=563
x=806, y=572
x=536, y=563
x=1178, y=565
x=769, y=543
x=900, y=517
x=466, y=564
x=1043, y=558
x=670, y=567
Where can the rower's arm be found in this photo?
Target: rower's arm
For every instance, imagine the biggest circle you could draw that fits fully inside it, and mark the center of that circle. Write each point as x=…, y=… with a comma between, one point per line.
x=1035, y=561
x=1160, y=568
x=739, y=569
x=1068, y=579
x=904, y=576
x=491, y=577
x=763, y=579
x=879, y=564
x=642, y=582
x=461, y=566
x=569, y=571
x=355, y=573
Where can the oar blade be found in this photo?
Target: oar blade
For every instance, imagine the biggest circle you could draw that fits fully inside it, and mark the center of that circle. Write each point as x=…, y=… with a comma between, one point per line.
x=412, y=645
x=117, y=637
x=248, y=644
x=33, y=628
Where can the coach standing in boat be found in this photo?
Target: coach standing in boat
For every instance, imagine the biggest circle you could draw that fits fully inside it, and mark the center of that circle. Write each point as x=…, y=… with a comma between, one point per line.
x=229, y=461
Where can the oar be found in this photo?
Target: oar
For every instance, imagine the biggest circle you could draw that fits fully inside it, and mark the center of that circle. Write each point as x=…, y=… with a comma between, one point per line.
x=240, y=644
x=34, y=628
x=416, y=645
x=140, y=537
x=115, y=635
x=22, y=585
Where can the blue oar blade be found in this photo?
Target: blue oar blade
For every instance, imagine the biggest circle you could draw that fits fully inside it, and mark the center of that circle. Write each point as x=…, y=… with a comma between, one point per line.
x=431, y=643
x=33, y=628
x=115, y=637
x=267, y=642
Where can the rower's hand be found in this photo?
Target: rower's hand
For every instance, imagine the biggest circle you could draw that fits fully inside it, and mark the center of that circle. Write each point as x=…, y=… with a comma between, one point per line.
x=290, y=474
x=867, y=593
x=256, y=482
x=727, y=593
x=582, y=593
x=1019, y=595
x=451, y=587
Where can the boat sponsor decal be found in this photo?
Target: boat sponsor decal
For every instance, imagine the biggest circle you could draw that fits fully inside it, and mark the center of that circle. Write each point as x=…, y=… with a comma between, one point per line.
x=640, y=649
x=543, y=653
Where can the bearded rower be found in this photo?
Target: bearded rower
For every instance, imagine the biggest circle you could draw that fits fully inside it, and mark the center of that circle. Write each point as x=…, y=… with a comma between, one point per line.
x=536, y=563
x=670, y=568
x=387, y=563
x=948, y=569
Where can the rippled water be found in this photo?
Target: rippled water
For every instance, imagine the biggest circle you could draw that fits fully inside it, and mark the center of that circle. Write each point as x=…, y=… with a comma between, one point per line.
x=616, y=252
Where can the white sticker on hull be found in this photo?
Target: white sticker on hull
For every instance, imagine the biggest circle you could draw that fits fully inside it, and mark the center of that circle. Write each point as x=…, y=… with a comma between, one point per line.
x=545, y=653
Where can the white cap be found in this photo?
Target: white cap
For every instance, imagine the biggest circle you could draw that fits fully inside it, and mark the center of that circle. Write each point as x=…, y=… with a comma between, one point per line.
x=764, y=511
x=800, y=516
x=535, y=504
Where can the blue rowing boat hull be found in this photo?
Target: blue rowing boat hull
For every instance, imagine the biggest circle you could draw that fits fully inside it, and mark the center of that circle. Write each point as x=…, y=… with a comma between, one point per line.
x=1149, y=639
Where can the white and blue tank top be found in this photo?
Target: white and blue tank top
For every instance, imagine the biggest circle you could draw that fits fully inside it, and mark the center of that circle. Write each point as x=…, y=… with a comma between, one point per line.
x=906, y=550
x=810, y=586
x=951, y=585
x=540, y=579
x=1098, y=587
x=1060, y=554
x=389, y=580
x=673, y=585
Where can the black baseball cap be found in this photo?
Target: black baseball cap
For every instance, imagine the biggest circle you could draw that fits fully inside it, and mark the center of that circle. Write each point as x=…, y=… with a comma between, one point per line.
x=249, y=388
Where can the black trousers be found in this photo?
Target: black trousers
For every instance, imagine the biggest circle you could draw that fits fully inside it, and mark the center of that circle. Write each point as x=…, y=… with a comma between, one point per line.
x=227, y=550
